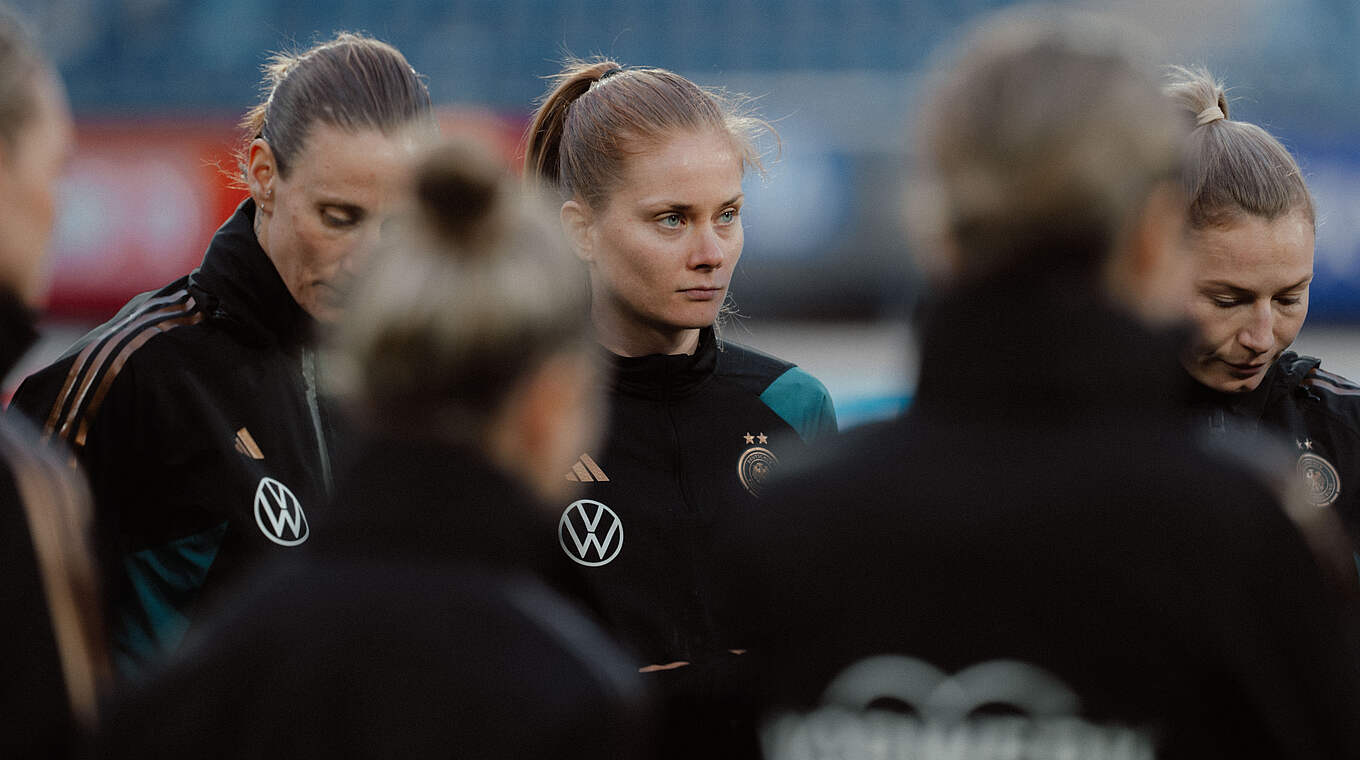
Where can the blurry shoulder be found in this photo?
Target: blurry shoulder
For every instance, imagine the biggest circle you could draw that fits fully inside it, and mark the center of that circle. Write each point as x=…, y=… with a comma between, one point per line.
x=790, y=391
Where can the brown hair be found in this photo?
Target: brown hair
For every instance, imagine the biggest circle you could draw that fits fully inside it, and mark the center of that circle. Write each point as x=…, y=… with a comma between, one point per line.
x=19, y=62
x=597, y=113
x=478, y=290
x=1232, y=167
x=1044, y=137
x=352, y=82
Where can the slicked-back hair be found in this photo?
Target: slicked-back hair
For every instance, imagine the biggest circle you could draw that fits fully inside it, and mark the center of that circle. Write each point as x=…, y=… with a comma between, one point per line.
x=352, y=82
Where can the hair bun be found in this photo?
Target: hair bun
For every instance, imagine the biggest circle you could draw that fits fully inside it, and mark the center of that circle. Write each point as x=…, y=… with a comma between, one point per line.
x=1197, y=92
x=459, y=188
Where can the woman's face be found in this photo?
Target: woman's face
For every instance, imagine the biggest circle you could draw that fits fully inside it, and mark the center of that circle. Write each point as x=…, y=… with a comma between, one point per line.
x=319, y=222
x=29, y=171
x=1249, y=299
x=662, y=250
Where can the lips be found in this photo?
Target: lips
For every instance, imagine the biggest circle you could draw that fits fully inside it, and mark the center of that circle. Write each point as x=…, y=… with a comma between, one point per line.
x=1245, y=369
x=703, y=293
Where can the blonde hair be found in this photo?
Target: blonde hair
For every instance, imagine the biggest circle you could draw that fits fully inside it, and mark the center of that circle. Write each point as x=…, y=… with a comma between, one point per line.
x=474, y=293
x=20, y=62
x=598, y=113
x=1232, y=168
x=1043, y=138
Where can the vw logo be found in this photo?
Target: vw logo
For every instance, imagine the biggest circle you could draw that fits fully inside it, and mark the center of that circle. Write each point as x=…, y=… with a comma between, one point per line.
x=590, y=533
x=279, y=513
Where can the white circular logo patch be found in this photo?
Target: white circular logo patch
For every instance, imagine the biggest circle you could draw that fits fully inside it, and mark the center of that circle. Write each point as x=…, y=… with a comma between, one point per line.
x=590, y=533
x=754, y=467
x=279, y=513
x=1323, y=484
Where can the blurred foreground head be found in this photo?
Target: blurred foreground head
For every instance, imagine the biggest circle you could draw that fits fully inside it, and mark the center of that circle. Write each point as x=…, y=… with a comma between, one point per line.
x=1046, y=145
x=472, y=324
x=37, y=139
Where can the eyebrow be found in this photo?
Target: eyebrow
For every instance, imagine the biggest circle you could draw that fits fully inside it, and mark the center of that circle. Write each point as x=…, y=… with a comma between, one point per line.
x=686, y=207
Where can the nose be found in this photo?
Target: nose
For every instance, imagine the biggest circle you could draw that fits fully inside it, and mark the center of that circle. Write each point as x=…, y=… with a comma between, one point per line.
x=1258, y=334
x=708, y=250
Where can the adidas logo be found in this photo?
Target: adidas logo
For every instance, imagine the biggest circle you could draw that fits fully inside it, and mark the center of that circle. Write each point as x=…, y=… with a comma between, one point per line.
x=245, y=444
x=586, y=471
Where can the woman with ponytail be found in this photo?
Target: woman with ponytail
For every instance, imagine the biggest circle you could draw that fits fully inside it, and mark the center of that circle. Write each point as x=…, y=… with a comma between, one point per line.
x=649, y=169
x=1251, y=221
x=421, y=626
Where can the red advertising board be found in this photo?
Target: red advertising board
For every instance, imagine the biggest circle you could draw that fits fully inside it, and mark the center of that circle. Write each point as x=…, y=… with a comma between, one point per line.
x=142, y=199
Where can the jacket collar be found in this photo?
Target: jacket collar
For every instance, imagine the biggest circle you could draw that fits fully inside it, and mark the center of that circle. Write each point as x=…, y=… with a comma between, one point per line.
x=242, y=286
x=1043, y=342
x=665, y=376
x=1283, y=377
x=17, y=331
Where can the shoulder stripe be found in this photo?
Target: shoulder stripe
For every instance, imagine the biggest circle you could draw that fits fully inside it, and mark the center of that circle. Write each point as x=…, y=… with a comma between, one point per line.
x=57, y=507
x=166, y=325
x=75, y=403
x=1331, y=382
x=81, y=362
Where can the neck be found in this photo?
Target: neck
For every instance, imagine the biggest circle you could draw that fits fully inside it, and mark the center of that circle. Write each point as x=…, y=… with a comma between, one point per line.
x=631, y=338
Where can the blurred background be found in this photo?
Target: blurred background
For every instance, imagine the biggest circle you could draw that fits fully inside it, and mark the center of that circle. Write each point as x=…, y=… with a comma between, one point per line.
x=158, y=85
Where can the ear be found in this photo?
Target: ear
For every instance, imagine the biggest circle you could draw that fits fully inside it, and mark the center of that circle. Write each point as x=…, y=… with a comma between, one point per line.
x=578, y=225
x=261, y=174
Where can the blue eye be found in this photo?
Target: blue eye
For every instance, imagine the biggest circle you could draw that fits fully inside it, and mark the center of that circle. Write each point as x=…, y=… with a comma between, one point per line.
x=728, y=216
x=671, y=221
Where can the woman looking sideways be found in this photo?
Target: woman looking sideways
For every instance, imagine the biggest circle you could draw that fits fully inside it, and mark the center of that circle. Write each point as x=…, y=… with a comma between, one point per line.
x=650, y=167
x=1251, y=223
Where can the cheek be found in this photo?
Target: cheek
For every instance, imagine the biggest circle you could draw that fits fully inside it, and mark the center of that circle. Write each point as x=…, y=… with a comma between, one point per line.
x=1214, y=326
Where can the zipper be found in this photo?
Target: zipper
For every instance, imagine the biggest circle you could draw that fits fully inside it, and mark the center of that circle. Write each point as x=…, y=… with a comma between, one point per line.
x=679, y=460
x=309, y=384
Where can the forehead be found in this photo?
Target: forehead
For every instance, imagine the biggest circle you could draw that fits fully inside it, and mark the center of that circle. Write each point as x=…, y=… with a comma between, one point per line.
x=333, y=159
x=698, y=165
x=1254, y=253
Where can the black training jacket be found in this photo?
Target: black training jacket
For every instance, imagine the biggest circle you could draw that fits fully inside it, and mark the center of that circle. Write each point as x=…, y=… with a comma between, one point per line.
x=417, y=625
x=37, y=493
x=1318, y=414
x=689, y=437
x=1037, y=554
x=195, y=414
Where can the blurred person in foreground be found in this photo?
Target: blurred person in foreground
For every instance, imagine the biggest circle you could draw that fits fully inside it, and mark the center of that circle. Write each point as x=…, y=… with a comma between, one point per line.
x=195, y=411
x=649, y=167
x=1251, y=222
x=422, y=628
x=55, y=663
x=1036, y=560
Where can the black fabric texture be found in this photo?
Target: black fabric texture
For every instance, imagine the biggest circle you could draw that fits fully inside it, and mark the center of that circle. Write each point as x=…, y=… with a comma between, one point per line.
x=1041, y=502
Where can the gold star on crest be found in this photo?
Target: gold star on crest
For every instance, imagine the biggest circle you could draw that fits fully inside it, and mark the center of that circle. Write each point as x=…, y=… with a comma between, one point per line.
x=762, y=438
x=750, y=438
